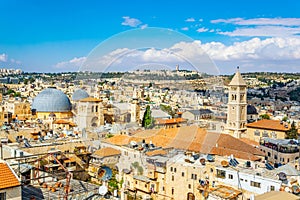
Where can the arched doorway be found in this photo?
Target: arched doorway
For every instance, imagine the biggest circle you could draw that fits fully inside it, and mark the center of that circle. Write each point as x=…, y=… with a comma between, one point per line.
x=94, y=122
x=190, y=196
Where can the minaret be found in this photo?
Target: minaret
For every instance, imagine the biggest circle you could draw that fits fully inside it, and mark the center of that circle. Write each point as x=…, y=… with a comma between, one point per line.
x=135, y=108
x=237, y=106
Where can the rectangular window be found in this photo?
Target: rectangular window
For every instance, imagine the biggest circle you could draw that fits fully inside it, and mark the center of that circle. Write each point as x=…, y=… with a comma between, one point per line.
x=272, y=188
x=189, y=186
x=257, y=133
x=171, y=169
x=172, y=178
x=3, y=196
x=230, y=176
x=172, y=191
x=175, y=170
x=255, y=184
x=182, y=174
x=221, y=173
x=265, y=134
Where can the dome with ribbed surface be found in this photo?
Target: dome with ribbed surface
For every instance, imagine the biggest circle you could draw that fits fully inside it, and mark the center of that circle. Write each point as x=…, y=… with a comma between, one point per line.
x=79, y=94
x=251, y=110
x=51, y=100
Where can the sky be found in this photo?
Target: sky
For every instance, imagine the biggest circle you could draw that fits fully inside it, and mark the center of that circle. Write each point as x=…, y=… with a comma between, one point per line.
x=65, y=35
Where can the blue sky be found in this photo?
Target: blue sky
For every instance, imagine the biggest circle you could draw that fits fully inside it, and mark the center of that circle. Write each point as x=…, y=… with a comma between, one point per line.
x=52, y=36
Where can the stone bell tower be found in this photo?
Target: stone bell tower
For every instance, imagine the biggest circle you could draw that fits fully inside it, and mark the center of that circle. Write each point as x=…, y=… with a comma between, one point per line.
x=237, y=106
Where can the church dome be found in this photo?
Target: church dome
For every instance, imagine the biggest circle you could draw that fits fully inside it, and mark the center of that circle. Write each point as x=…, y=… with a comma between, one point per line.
x=51, y=100
x=79, y=94
x=251, y=110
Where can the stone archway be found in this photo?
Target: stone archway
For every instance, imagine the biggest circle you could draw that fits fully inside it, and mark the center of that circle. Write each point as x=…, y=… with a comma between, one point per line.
x=190, y=196
x=94, y=122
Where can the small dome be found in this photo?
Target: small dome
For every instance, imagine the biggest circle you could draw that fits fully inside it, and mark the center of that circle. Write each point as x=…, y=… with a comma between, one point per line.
x=51, y=100
x=251, y=110
x=79, y=94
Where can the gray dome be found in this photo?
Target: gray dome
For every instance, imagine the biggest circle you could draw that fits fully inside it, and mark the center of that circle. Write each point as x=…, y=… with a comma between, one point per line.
x=51, y=100
x=251, y=110
x=79, y=94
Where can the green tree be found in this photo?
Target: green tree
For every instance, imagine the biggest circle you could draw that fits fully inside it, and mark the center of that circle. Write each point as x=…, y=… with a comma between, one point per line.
x=285, y=118
x=17, y=94
x=264, y=116
x=10, y=91
x=292, y=133
x=147, y=121
x=147, y=98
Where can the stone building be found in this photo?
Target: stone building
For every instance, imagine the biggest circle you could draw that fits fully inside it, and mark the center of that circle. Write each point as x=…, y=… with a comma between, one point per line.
x=237, y=106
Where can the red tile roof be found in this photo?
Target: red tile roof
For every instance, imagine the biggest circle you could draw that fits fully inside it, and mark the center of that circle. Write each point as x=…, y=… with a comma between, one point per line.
x=169, y=121
x=7, y=177
x=156, y=152
x=194, y=139
x=275, y=125
x=106, y=152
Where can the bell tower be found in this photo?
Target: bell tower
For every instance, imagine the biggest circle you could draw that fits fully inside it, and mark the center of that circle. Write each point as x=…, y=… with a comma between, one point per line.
x=237, y=106
x=135, y=108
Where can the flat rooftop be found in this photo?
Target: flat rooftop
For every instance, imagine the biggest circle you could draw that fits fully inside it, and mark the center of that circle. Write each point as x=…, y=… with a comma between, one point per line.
x=79, y=190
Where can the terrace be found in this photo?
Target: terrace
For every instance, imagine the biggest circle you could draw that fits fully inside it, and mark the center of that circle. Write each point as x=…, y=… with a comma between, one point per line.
x=281, y=145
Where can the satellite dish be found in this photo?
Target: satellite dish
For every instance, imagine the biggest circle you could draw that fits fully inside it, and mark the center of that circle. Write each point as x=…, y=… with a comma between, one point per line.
x=287, y=189
x=282, y=176
x=103, y=190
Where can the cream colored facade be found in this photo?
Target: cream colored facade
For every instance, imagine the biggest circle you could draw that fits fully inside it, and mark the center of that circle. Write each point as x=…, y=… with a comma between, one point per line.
x=19, y=110
x=135, y=111
x=256, y=133
x=89, y=113
x=237, y=106
x=59, y=115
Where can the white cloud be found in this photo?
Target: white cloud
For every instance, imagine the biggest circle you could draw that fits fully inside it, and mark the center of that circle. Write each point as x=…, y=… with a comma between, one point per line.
x=132, y=22
x=260, y=21
x=267, y=31
x=190, y=19
x=271, y=54
x=200, y=20
x=227, y=21
x=144, y=26
x=15, y=61
x=185, y=28
x=262, y=27
x=202, y=29
x=255, y=49
x=3, y=57
x=74, y=64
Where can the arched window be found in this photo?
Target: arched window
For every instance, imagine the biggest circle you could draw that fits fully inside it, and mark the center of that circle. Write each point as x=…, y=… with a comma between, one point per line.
x=190, y=196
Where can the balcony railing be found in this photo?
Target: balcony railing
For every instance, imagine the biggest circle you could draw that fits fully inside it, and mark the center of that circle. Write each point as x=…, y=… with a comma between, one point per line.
x=281, y=148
